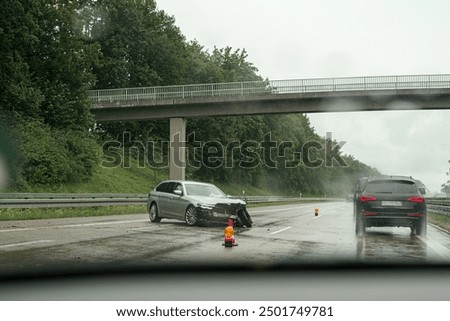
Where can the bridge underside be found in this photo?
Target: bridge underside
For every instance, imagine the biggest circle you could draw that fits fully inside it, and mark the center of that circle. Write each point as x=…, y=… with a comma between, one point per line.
x=273, y=104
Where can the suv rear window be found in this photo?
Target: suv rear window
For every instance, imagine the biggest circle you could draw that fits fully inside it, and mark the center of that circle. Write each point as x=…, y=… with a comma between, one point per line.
x=392, y=187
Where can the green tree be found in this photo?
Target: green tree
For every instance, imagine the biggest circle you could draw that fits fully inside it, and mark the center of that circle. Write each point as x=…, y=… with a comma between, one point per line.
x=234, y=65
x=140, y=45
x=19, y=38
x=46, y=69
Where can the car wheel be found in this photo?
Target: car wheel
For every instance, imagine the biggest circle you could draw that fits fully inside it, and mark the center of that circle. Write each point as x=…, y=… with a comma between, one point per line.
x=421, y=228
x=191, y=216
x=360, y=227
x=245, y=218
x=153, y=213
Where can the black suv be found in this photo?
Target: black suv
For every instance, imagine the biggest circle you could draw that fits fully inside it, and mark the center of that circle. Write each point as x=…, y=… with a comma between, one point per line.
x=392, y=201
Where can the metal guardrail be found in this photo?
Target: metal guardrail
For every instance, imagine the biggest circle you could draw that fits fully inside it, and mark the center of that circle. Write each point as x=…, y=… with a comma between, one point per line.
x=271, y=87
x=49, y=200
x=439, y=205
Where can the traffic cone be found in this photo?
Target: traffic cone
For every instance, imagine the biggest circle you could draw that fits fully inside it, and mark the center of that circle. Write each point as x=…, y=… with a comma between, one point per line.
x=229, y=235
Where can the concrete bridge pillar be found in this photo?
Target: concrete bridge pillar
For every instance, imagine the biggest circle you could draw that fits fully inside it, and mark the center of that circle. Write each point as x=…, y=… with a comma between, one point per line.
x=177, y=157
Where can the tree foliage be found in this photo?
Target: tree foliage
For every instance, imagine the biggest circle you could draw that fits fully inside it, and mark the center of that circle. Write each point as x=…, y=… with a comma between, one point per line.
x=53, y=52
x=46, y=69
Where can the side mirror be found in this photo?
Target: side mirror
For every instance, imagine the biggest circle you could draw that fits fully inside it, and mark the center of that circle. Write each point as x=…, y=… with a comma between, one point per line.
x=422, y=190
x=178, y=192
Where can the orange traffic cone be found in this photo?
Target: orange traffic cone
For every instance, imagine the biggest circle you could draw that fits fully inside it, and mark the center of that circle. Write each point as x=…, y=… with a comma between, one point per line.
x=229, y=235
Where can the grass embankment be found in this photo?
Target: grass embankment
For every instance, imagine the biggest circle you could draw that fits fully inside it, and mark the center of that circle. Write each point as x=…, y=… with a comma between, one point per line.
x=104, y=180
x=109, y=180
x=443, y=221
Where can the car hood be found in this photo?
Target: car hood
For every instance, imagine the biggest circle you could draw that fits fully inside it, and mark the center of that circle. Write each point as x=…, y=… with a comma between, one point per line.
x=214, y=200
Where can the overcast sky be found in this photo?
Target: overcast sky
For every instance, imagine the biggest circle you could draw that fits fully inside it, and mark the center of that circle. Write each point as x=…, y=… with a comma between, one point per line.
x=295, y=39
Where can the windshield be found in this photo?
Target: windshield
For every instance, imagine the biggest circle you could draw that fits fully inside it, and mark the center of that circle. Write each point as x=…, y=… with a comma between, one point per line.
x=115, y=114
x=203, y=190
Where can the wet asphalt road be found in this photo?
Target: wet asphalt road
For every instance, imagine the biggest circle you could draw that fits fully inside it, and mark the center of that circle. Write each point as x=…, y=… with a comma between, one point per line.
x=281, y=234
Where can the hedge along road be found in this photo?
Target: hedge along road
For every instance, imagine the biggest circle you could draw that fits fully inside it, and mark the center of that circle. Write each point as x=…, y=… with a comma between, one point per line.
x=284, y=233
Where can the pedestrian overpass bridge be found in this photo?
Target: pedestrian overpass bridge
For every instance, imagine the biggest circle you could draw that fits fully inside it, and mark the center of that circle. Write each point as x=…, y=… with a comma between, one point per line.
x=406, y=92
x=271, y=97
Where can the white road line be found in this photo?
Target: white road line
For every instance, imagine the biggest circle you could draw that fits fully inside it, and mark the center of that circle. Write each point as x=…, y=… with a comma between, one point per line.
x=17, y=230
x=96, y=224
x=278, y=209
x=438, y=227
x=282, y=230
x=437, y=247
x=24, y=244
x=71, y=226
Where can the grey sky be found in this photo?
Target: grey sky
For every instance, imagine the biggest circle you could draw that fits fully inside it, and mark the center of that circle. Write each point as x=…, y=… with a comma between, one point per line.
x=291, y=39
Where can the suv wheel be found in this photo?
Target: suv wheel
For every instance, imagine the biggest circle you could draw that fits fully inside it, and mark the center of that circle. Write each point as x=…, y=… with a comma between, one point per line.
x=360, y=227
x=421, y=228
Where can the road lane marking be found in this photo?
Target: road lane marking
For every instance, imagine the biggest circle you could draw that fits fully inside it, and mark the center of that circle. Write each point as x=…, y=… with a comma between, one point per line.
x=439, y=228
x=436, y=247
x=71, y=226
x=24, y=244
x=282, y=230
x=17, y=230
x=97, y=224
x=279, y=209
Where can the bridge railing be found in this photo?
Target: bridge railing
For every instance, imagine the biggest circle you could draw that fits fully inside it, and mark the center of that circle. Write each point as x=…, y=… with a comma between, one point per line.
x=272, y=87
x=361, y=83
x=181, y=92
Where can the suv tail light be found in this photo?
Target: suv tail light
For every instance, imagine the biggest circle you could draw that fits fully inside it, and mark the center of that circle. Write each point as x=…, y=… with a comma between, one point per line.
x=416, y=199
x=364, y=198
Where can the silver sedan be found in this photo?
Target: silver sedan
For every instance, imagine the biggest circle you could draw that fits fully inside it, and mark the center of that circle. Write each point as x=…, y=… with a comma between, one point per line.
x=195, y=203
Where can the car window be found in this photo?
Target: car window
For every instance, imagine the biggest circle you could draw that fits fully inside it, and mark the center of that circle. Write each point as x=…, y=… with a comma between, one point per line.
x=362, y=184
x=203, y=190
x=170, y=187
x=178, y=187
x=391, y=186
x=161, y=187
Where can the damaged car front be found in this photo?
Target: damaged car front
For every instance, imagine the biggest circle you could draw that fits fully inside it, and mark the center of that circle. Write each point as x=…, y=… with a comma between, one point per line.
x=220, y=210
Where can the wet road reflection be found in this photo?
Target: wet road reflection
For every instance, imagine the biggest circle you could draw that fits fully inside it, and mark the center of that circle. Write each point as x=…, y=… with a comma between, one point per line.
x=390, y=245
